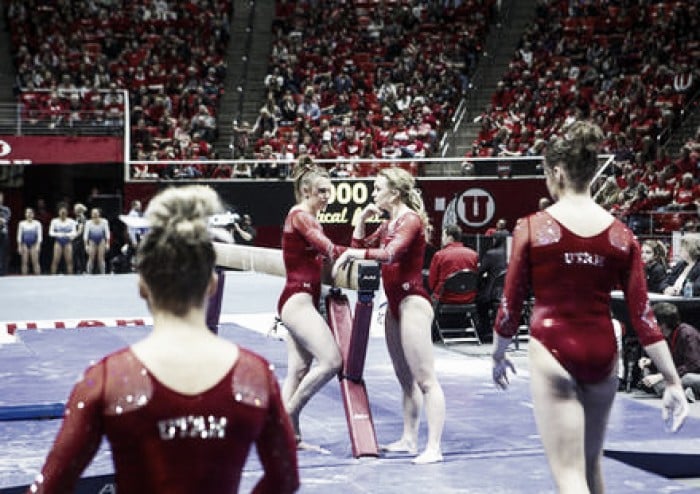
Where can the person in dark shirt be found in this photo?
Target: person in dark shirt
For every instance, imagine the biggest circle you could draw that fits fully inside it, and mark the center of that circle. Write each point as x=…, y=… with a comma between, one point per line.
x=655, y=266
x=243, y=231
x=493, y=262
x=684, y=342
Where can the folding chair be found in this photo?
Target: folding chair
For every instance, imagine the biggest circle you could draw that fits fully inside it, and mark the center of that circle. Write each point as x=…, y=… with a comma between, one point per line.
x=457, y=322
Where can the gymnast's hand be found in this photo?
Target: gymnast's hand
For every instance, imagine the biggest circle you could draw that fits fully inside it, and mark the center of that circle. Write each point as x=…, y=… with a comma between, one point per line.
x=675, y=407
x=500, y=371
x=346, y=258
x=370, y=211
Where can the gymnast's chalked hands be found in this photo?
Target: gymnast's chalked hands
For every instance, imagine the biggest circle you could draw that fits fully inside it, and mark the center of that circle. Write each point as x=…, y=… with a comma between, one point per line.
x=500, y=371
x=675, y=407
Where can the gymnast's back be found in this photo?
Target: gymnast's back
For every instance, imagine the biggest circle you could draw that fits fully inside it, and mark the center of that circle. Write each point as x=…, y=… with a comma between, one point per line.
x=166, y=441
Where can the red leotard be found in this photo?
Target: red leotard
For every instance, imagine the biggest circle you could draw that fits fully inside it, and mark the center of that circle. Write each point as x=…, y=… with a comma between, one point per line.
x=304, y=246
x=571, y=278
x=401, y=252
x=164, y=441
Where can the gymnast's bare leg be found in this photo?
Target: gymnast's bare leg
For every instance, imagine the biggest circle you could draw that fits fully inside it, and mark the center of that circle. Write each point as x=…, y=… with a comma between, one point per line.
x=310, y=338
x=571, y=420
x=411, y=350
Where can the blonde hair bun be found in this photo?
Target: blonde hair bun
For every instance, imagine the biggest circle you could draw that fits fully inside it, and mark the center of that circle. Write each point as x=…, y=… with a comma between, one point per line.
x=183, y=210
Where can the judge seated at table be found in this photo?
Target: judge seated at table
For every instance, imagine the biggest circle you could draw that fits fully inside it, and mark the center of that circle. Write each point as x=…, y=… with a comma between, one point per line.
x=687, y=269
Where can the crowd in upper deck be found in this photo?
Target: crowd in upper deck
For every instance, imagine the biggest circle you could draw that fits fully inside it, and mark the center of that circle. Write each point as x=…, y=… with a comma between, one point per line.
x=361, y=79
x=73, y=58
x=630, y=66
x=365, y=79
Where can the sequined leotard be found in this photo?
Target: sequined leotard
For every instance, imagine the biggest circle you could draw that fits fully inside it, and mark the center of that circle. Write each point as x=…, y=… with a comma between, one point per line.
x=304, y=246
x=167, y=442
x=571, y=279
x=401, y=251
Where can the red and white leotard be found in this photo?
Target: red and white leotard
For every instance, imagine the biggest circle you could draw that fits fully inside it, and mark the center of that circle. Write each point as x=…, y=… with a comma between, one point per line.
x=400, y=246
x=571, y=278
x=165, y=441
x=304, y=247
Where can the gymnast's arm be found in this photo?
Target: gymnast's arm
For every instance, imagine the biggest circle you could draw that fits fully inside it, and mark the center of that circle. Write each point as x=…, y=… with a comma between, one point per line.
x=276, y=447
x=360, y=239
x=516, y=288
x=642, y=316
x=73, y=229
x=642, y=319
x=367, y=247
x=517, y=283
x=79, y=437
x=52, y=228
x=634, y=286
x=312, y=232
x=408, y=228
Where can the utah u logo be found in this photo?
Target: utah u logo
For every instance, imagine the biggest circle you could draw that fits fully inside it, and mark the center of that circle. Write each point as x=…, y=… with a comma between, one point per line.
x=5, y=148
x=475, y=207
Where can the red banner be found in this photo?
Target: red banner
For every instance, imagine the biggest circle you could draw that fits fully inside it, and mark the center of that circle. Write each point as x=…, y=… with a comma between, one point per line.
x=60, y=150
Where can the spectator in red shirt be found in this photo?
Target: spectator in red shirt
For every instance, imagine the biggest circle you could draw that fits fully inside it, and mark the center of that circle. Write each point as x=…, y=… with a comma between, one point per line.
x=501, y=98
x=686, y=195
x=349, y=145
x=454, y=256
x=685, y=162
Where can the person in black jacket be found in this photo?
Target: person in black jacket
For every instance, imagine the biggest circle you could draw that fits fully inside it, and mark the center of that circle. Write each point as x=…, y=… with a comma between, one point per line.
x=684, y=342
x=687, y=269
x=492, y=263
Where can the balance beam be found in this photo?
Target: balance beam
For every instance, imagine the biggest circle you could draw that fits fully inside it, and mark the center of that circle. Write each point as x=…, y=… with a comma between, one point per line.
x=269, y=261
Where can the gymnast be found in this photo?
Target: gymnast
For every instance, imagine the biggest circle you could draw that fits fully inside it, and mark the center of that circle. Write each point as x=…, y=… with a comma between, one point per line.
x=399, y=244
x=29, y=238
x=304, y=249
x=572, y=254
x=96, y=236
x=63, y=230
x=182, y=407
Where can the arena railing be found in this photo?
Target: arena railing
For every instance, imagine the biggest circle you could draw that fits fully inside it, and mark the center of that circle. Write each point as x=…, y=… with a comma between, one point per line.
x=22, y=119
x=140, y=170
x=197, y=170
